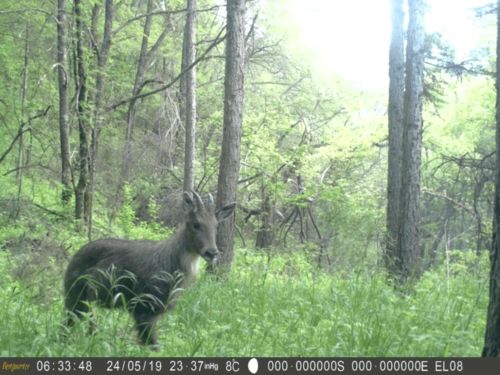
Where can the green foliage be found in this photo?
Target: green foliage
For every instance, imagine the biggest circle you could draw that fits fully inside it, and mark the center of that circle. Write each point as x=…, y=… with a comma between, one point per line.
x=131, y=228
x=277, y=305
x=308, y=143
x=458, y=163
x=126, y=216
x=465, y=124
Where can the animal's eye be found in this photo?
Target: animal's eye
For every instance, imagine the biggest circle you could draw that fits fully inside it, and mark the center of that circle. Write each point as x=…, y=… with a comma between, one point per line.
x=196, y=226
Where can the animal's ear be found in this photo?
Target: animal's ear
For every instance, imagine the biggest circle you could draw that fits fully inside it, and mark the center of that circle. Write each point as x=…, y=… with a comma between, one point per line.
x=187, y=202
x=224, y=212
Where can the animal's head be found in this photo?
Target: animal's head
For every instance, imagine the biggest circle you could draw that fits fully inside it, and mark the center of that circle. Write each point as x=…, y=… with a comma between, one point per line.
x=201, y=223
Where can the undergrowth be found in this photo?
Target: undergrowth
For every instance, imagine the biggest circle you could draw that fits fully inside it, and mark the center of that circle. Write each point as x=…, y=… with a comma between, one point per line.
x=279, y=305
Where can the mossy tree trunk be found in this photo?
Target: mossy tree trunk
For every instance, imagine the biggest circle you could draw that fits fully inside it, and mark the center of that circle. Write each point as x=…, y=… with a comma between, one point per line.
x=492, y=333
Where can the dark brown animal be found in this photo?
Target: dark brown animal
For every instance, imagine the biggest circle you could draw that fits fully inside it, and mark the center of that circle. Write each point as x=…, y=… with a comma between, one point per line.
x=143, y=276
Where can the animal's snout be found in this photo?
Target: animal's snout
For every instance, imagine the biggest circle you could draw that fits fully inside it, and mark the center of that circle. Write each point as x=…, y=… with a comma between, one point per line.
x=210, y=255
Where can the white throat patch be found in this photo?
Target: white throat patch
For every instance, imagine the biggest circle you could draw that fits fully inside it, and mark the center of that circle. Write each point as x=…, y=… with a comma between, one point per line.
x=191, y=265
x=195, y=265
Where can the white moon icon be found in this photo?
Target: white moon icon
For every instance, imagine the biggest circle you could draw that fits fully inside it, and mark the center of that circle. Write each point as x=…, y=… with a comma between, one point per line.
x=253, y=365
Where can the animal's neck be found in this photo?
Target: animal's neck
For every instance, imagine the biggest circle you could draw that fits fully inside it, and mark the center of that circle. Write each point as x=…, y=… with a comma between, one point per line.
x=178, y=253
x=180, y=241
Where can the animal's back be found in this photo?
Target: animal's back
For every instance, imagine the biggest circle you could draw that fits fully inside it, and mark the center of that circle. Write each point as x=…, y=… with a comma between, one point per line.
x=108, y=250
x=97, y=257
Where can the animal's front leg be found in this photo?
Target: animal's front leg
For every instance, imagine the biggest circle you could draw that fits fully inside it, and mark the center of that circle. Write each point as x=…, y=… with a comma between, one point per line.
x=146, y=328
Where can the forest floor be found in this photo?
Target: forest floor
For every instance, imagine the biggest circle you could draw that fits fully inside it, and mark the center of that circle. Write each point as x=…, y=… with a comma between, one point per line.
x=279, y=305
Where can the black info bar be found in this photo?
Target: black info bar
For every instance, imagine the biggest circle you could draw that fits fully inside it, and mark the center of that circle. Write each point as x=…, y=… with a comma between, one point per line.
x=248, y=365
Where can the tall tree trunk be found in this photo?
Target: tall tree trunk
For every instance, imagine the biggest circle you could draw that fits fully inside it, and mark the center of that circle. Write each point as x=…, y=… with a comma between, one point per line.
x=139, y=78
x=190, y=95
x=81, y=193
x=63, y=80
x=492, y=333
x=412, y=142
x=24, y=92
x=182, y=81
x=145, y=56
x=233, y=116
x=102, y=59
x=395, y=120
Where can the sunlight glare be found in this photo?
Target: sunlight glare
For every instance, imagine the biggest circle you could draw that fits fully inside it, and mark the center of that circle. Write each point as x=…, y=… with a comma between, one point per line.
x=351, y=38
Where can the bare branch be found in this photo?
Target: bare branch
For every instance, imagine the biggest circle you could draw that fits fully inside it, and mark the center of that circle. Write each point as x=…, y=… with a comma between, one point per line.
x=252, y=28
x=217, y=41
x=449, y=199
x=160, y=12
x=26, y=10
x=22, y=130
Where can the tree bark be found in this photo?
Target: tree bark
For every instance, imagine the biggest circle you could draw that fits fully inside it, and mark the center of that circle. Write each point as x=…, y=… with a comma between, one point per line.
x=190, y=95
x=24, y=92
x=265, y=234
x=63, y=81
x=492, y=333
x=81, y=193
x=412, y=142
x=395, y=122
x=139, y=78
x=233, y=115
x=102, y=59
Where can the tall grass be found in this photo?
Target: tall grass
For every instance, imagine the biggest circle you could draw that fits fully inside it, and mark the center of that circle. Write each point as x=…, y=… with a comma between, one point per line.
x=278, y=306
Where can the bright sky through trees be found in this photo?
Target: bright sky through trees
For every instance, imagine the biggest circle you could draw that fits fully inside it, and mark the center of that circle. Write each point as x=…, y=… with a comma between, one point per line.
x=351, y=37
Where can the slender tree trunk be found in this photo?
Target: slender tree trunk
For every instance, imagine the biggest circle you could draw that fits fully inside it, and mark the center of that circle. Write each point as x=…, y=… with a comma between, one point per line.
x=190, y=95
x=182, y=81
x=24, y=91
x=81, y=193
x=492, y=333
x=139, y=78
x=63, y=81
x=265, y=234
x=412, y=142
x=145, y=56
x=395, y=119
x=432, y=254
x=478, y=188
x=102, y=60
x=233, y=116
